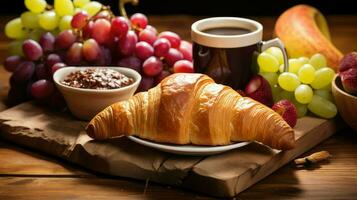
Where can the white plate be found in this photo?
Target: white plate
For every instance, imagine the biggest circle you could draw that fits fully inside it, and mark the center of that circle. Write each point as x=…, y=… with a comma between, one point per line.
x=192, y=150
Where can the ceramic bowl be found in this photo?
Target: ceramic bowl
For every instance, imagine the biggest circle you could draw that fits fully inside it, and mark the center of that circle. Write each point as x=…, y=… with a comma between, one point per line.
x=86, y=103
x=346, y=103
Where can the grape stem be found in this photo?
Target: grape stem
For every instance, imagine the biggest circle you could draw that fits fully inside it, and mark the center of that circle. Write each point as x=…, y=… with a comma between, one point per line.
x=122, y=6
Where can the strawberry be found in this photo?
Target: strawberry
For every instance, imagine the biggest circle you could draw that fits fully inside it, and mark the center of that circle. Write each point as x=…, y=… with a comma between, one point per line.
x=259, y=89
x=349, y=80
x=287, y=110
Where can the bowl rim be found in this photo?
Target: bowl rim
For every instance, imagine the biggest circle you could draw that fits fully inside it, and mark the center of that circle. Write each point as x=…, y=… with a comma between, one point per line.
x=339, y=89
x=124, y=70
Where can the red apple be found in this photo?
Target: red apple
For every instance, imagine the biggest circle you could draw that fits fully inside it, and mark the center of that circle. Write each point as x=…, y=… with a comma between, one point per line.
x=259, y=89
x=287, y=110
x=348, y=61
x=349, y=80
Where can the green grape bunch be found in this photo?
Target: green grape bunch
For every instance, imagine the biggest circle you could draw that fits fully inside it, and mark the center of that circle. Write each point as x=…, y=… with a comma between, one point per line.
x=307, y=83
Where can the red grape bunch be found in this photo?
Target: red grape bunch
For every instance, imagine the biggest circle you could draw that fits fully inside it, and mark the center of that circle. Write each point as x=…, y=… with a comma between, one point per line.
x=86, y=33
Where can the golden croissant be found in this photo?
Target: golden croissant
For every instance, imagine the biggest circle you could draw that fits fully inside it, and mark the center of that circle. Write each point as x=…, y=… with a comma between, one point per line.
x=193, y=109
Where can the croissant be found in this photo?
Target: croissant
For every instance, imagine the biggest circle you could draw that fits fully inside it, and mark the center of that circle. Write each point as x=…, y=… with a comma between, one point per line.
x=192, y=109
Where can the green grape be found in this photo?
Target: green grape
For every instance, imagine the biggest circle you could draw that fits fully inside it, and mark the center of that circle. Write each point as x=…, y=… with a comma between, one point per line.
x=268, y=63
x=304, y=60
x=328, y=87
x=323, y=77
x=64, y=7
x=36, y=6
x=92, y=7
x=48, y=20
x=271, y=77
x=14, y=29
x=76, y=10
x=322, y=107
x=294, y=65
x=281, y=68
x=275, y=90
x=286, y=95
x=306, y=73
x=318, y=61
x=65, y=22
x=324, y=93
x=277, y=53
x=80, y=3
x=29, y=20
x=35, y=34
x=288, y=81
x=15, y=48
x=301, y=109
x=303, y=94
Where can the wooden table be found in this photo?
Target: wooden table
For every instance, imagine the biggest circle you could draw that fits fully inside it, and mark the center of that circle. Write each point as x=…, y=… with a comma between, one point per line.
x=25, y=174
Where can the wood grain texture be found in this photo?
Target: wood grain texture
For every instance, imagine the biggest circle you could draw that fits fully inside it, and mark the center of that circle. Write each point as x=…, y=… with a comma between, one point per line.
x=18, y=161
x=332, y=180
x=85, y=188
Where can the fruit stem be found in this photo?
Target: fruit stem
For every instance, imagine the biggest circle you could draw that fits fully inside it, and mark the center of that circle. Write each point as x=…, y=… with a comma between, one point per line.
x=122, y=6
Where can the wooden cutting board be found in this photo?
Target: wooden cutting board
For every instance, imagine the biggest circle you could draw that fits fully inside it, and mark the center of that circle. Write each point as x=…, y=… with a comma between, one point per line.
x=223, y=175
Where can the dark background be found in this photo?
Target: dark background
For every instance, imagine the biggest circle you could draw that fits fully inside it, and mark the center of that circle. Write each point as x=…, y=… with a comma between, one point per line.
x=211, y=7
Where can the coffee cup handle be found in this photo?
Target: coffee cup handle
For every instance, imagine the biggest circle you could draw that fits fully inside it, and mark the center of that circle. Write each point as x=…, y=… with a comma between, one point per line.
x=276, y=42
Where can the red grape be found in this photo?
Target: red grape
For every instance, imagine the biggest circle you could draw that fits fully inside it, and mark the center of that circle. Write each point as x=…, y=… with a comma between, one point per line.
x=42, y=89
x=152, y=29
x=105, y=58
x=42, y=72
x=143, y=50
x=139, y=20
x=65, y=39
x=24, y=72
x=12, y=62
x=102, y=15
x=146, y=83
x=127, y=44
x=183, y=66
x=186, y=50
x=152, y=66
x=32, y=50
x=172, y=56
x=161, y=76
x=161, y=47
x=57, y=66
x=52, y=59
x=91, y=50
x=148, y=36
x=101, y=31
x=74, y=54
x=87, y=29
x=174, y=39
x=79, y=20
x=47, y=42
x=120, y=26
x=131, y=62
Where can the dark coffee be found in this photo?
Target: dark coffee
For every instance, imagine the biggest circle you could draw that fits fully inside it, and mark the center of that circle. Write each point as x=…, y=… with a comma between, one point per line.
x=226, y=31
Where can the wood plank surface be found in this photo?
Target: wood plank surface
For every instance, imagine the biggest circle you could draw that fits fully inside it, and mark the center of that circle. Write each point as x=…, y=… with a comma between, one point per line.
x=336, y=179
x=19, y=161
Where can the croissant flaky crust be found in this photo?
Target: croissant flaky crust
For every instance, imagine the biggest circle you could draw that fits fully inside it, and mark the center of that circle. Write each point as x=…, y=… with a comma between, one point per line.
x=193, y=109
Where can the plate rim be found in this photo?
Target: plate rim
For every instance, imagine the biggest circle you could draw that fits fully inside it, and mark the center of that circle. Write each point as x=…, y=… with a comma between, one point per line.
x=188, y=148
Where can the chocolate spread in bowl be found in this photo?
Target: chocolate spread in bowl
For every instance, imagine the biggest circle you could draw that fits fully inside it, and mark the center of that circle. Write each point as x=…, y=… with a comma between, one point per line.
x=97, y=78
